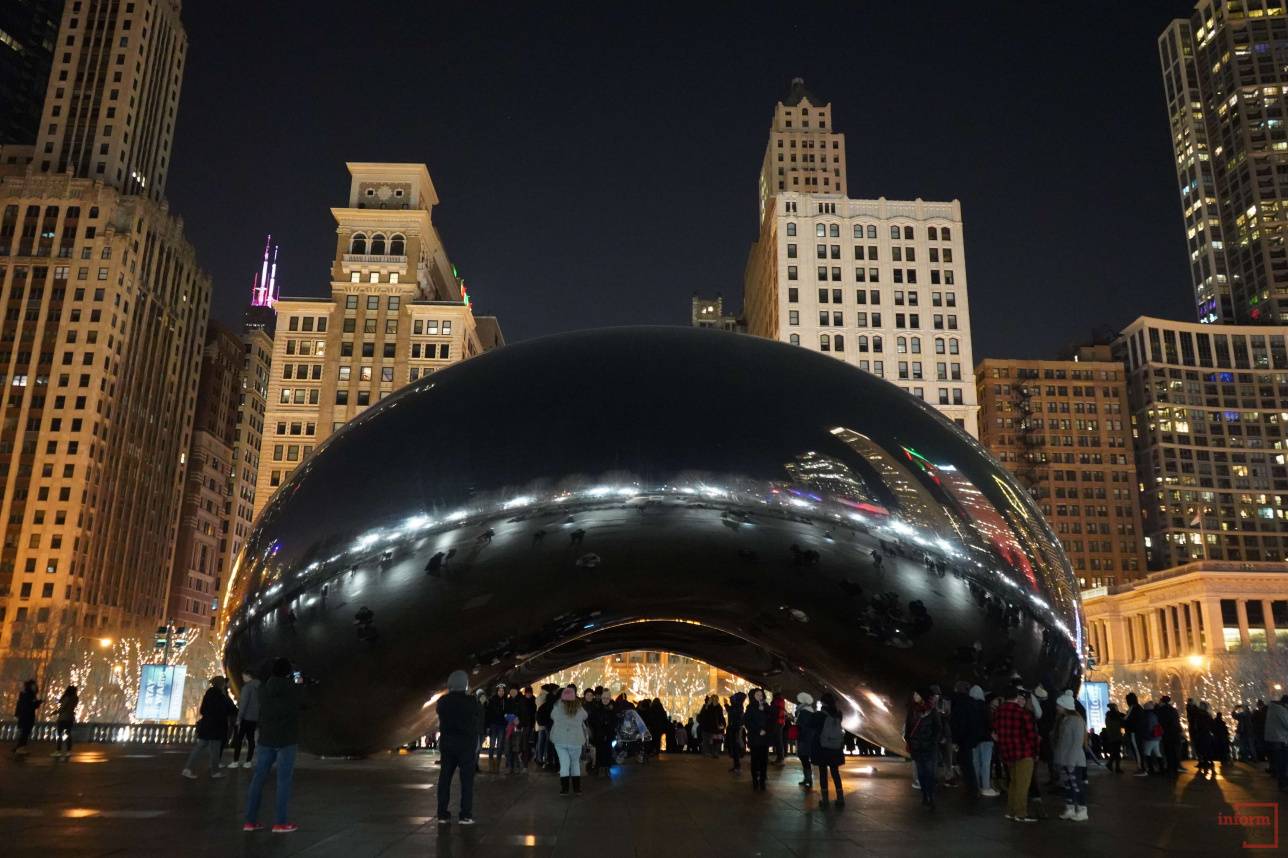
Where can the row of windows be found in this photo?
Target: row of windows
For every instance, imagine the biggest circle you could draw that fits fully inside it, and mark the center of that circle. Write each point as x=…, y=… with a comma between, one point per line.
x=897, y=233
x=836, y=319
x=873, y=296
x=873, y=275
x=306, y=323
x=396, y=246
x=870, y=253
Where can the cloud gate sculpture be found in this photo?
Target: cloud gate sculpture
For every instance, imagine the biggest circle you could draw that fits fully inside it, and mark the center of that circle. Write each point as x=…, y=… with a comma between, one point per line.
x=773, y=511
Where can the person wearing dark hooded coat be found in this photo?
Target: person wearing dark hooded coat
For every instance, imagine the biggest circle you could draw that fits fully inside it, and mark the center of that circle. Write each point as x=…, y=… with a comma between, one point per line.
x=827, y=752
x=459, y=719
x=807, y=724
x=281, y=701
x=733, y=736
x=922, y=731
x=543, y=720
x=761, y=722
x=25, y=711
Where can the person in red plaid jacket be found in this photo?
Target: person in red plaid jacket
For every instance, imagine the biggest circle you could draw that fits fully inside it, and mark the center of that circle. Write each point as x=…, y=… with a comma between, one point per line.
x=1015, y=733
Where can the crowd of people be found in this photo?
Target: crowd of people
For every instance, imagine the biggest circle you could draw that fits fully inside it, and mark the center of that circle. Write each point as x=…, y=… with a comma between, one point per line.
x=990, y=743
x=999, y=742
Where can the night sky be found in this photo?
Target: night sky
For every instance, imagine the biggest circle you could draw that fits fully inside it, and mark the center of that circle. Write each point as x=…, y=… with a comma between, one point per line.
x=598, y=164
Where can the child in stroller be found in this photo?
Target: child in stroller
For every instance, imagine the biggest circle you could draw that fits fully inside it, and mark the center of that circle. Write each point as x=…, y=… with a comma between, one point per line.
x=632, y=737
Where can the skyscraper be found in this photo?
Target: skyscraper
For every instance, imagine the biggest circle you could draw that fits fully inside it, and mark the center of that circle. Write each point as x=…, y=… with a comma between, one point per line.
x=104, y=315
x=113, y=94
x=1224, y=79
x=398, y=311
x=1063, y=427
x=28, y=29
x=1207, y=405
x=880, y=284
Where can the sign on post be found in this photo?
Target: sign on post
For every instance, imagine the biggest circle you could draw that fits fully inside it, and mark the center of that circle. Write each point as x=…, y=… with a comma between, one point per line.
x=161, y=693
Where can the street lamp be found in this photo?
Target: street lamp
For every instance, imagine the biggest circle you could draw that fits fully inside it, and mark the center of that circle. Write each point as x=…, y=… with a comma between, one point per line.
x=104, y=642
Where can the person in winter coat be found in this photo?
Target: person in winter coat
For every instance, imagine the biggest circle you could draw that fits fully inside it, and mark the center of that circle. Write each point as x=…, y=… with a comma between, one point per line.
x=734, y=740
x=65, y=722
x=459, y=720
x=761, y=722
x=1170, y=720
x=1202, y=739
x=212, y=727
x=568, y=735
x=1276, y=739
x=548, y=701
x=280, y=703
x=964, y=740
x=247, y=721
x=1015, y=737
x=1136, y=728
x=603, y=727
x=527, y=712
x=494, y=719
x=25, y=711
x=711, y=723
x=922, y=732
x=1111, y=739
x=660, y=727
x=1068, y=742
x=1154, y=763
x=779, y=705
x=977, y=732
x=827, y=751
x=807, y=724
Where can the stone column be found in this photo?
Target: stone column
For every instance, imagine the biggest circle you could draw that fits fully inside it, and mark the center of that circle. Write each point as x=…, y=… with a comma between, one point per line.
x=1211, y=609
x=1155, y=634
x=1271, y=631
x=1242, y=607
x=1183, y=630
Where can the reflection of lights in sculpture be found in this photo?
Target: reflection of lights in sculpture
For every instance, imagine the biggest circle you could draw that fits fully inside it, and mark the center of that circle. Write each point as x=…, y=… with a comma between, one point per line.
x=563, y=499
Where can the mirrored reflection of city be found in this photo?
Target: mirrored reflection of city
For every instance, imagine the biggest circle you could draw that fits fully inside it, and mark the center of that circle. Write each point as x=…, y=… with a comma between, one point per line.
x=888, y=543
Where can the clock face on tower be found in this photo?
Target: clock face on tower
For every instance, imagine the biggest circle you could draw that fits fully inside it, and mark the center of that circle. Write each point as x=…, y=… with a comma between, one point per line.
x=768, y=509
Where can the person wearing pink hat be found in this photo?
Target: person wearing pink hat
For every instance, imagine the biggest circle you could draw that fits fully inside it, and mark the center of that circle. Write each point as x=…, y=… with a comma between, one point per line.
x=568, y=735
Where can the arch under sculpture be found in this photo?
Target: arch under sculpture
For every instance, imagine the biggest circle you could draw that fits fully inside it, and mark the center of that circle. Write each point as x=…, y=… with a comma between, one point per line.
x=772, y=511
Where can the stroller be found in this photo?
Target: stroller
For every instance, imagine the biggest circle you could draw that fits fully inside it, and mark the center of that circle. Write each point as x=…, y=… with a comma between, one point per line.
x=632, y=737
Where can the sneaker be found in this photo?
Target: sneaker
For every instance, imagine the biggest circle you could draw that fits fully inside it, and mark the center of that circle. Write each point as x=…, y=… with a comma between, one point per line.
x=916, y=784
x=285, y=828
x=1008, y=816
x=190, y=774
x=466, y=820
x=1069, y=812
x=989, y=793
x=1081, y=815
x=444, y=819
x=1026, y=819
x=216, y=774
x=252, y=826
x=1142, y=774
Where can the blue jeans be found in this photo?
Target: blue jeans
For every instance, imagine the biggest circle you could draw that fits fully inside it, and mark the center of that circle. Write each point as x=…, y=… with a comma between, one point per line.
x=543, y=746
x=285, y=759
x=569, y=760
x=982, y=756
x=925, y=761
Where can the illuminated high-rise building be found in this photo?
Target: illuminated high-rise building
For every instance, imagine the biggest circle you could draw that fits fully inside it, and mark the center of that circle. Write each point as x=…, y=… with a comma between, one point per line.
x=101, y=338
x=1063, y=427
x=1208, y=405
x=28, y=31
x=879, y=284
x=1224, y=79
x=397, y=311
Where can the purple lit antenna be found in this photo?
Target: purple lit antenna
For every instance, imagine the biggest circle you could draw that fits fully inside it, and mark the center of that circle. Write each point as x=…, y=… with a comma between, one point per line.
x=263, y=290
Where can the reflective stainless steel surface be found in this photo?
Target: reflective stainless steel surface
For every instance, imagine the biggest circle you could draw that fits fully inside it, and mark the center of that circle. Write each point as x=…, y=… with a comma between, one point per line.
x=771, y=510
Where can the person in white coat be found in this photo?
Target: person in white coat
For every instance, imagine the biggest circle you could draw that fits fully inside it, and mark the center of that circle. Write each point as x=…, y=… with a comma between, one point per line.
x=1069, y=756
x=568, y=735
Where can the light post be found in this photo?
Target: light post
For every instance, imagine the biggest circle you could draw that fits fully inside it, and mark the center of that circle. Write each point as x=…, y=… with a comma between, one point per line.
x=170, y=637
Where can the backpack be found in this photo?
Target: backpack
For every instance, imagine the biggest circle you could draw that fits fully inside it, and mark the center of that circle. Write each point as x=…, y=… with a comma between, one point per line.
x=1157, y=732
x=831, y=737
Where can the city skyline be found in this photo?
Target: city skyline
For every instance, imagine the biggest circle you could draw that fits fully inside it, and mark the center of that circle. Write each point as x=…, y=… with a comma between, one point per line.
x=544, y=174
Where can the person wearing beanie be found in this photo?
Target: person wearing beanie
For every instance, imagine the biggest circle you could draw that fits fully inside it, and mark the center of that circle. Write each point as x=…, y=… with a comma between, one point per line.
x=459, y=721
x=568, y=734
x=922, y=731
x=807, y=724
x=1068, y=753
x=1015, y=734
x=981, y=752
